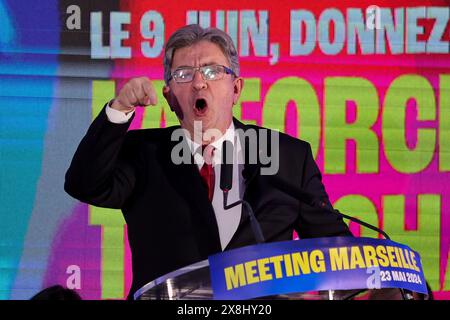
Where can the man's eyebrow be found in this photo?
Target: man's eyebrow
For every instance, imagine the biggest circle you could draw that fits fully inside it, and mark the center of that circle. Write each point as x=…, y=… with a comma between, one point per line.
x=210, y=63
x=182, y=66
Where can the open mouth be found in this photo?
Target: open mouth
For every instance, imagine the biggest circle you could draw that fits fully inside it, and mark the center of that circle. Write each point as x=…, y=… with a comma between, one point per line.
x=200, y=106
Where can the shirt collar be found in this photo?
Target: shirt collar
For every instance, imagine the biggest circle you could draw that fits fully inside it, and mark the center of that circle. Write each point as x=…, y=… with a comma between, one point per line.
x=196, y=150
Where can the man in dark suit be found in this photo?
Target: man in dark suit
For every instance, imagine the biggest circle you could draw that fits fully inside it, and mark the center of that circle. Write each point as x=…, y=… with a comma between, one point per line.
x=174, y=211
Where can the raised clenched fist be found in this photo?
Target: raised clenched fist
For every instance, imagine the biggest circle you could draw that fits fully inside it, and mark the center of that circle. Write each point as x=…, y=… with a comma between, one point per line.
x=136, y=92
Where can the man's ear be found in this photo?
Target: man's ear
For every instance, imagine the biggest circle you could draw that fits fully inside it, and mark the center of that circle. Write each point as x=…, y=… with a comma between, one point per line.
x=238, y=86
x=167, y=95
x=172, y=101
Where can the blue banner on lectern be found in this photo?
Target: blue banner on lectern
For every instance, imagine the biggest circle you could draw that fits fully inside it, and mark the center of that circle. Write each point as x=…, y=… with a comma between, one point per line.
x=338, y=263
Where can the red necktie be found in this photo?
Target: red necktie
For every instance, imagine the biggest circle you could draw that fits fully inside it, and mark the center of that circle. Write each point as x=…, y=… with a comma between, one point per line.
x=207, y=171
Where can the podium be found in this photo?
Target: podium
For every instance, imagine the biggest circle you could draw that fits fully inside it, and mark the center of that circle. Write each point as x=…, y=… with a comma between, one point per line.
x=193, y=282
x=255, y=272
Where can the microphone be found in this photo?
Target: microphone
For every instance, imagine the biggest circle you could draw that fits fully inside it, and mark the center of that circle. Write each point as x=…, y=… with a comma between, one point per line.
x=226, y=168
x=316, y=202
x=226, y=183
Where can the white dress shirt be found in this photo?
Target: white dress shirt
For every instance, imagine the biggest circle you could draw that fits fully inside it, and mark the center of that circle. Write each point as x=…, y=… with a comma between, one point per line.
x=227, y=220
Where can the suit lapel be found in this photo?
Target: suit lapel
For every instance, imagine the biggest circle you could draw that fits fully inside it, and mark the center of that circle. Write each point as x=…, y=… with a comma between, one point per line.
x=250, y=169
x=186, y=179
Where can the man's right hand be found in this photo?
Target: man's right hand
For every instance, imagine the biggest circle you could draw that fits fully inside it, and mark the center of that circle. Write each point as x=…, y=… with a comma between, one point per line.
x=136, y=92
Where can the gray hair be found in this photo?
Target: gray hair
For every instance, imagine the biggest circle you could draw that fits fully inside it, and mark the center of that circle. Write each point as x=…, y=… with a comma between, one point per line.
x=193, y=33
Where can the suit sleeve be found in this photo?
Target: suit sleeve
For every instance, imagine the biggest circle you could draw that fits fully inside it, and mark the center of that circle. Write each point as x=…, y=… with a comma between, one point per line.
x=314, y=222
x=101, y=172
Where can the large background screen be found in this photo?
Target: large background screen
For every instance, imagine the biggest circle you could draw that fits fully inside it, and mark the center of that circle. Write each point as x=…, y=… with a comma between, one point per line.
x=367, y=83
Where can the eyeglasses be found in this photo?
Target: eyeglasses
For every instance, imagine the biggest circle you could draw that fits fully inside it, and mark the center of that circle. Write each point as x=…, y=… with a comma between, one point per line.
x=210, y=73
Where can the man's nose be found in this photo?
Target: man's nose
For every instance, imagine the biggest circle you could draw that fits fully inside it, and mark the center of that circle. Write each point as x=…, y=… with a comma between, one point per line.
x=198, y=81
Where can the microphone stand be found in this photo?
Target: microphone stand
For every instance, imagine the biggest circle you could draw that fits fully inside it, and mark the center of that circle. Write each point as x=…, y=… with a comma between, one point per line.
x=323, y=205
x=256, y=228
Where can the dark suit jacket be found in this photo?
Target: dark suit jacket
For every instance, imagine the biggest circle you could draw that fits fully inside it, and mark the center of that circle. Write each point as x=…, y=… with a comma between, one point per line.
x=171, y=222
